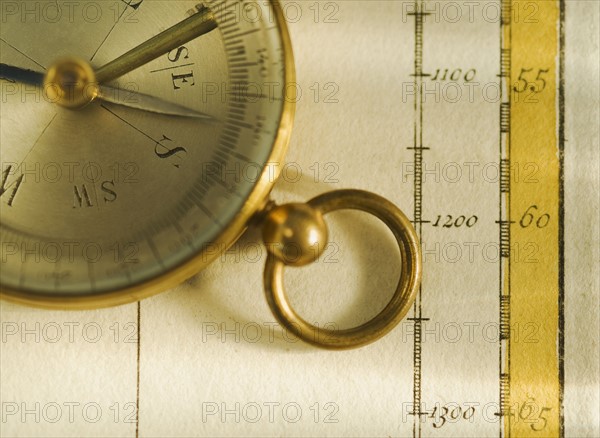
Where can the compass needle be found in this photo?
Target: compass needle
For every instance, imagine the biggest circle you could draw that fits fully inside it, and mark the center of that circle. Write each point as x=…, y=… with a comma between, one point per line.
x=128, y=98
x=191, y=28
x=148, y=103
x=22, y=75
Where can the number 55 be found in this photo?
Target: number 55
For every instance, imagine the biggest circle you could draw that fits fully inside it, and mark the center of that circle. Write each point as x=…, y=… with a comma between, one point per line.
x=537, y=86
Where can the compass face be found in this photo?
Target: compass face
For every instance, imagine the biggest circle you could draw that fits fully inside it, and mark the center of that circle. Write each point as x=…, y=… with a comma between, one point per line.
x=110, y=197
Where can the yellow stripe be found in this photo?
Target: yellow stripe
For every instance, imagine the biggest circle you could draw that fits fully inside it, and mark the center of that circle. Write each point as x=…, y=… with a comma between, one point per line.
x=534, y=193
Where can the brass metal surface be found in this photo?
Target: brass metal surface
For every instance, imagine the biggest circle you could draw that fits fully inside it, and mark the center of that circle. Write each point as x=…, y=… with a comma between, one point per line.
x=256, y=201
x=295, y=233
x=393, y=312
x=71, y=82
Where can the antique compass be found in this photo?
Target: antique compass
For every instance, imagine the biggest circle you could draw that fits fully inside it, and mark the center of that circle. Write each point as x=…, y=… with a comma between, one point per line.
x=137, y=146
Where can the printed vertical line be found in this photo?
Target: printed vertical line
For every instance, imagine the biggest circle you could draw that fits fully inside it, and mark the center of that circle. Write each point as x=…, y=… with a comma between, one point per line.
x=137, y=386
x=504, y=223
x=504, y=395
x=504, y=175
x=505, y=117
x=504, y=250
x=506, y=12
x=505, y=63
x=561, y=217
x=504, y=317
x=418, y=213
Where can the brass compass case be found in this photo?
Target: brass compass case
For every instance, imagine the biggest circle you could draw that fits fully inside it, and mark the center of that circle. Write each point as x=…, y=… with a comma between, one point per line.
x=249, y=130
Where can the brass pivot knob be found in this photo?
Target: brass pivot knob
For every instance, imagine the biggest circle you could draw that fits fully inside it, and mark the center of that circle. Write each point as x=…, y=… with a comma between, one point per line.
x=71, y=82
x=295, y=233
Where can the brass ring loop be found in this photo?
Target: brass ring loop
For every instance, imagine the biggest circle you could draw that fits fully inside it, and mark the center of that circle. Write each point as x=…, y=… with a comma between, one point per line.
x=397, y=307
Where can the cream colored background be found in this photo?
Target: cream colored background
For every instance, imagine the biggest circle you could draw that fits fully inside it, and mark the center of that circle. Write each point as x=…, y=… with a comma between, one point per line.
x=186, y=368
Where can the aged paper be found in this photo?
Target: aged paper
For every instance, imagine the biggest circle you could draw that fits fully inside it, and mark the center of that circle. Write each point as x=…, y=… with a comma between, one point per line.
x=404, y=99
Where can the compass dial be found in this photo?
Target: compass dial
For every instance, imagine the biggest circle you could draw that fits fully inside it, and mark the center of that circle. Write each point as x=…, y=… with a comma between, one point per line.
x=146, y=184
